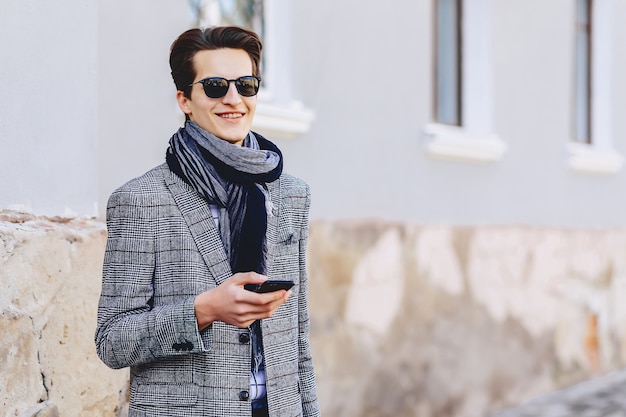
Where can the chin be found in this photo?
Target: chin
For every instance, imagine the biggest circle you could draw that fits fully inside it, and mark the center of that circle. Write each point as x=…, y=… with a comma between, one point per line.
x=232, y=137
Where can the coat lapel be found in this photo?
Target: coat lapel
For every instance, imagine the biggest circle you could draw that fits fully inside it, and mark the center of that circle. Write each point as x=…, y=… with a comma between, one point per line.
x=197, y=215
x=271, y=235
x=199, y=219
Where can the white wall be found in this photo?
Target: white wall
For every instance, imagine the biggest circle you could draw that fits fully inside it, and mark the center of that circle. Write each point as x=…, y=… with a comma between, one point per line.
x=364, y=156
x=48, y=116
x=137, y=107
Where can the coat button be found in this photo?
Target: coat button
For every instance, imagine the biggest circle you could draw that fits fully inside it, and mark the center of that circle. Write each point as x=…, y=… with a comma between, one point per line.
x=244, y=338
x=244, y=395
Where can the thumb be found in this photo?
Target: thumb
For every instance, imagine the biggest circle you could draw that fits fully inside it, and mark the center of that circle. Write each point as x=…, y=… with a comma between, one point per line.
x=242, y=278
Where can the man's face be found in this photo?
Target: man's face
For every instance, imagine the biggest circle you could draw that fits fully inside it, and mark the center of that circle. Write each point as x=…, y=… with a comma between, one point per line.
x=229, y=117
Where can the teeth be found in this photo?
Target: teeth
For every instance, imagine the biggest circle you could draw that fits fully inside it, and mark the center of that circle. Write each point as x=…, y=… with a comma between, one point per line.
x=231, y=115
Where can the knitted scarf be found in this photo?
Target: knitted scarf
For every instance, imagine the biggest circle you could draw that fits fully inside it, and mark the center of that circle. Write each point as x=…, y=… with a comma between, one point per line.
x=233, y=178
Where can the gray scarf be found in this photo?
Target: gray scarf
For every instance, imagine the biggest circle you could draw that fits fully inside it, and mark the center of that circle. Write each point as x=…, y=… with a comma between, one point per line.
x=233, y=178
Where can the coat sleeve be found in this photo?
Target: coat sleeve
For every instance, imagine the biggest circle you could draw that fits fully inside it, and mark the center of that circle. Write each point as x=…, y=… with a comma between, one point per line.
x=306, y=372
x=130, y=329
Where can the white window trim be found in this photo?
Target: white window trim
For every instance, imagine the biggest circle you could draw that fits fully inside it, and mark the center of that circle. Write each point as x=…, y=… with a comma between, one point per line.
x=278, y=114
x=584, y=158
x=599, y=157
x=284, y=122
x=475, y=141
x=269, y=56
x=453, y=143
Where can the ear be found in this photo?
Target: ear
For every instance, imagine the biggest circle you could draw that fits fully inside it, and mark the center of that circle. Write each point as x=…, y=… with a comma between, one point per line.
x=183, y=102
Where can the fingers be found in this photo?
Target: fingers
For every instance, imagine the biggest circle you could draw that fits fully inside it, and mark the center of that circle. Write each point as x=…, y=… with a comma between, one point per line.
x=267, y=302
x=231, y=303
x=267, y=305
x=243, y=278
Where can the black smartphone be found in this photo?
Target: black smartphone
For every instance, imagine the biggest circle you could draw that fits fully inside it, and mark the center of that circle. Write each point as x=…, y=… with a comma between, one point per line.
x=269, y=286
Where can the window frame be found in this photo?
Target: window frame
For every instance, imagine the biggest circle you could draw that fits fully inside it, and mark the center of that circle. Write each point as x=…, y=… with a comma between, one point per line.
x=475, y=140
x=596, y=156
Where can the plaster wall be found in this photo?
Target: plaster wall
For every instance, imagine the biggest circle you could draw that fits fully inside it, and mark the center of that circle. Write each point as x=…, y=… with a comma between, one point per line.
x=81, y=114
x=48, y=107
x=365, y=69
x=136, y=96
x=368, y=74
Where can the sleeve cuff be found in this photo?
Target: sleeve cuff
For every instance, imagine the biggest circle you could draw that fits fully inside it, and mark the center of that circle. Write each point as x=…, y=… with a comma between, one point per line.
x=177, y=331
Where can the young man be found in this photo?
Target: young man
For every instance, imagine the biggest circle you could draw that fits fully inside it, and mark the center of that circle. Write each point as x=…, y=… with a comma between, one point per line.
x=186, y=237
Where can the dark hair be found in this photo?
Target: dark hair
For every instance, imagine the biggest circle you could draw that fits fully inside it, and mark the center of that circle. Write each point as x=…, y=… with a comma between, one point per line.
x=191, y=41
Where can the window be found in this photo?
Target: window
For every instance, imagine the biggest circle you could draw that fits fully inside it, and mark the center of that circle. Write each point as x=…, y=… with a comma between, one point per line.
x=591, y=145
x=462, y=128
x=246, y=13
x=448, y=91
x=277, y=114
x=583, y=71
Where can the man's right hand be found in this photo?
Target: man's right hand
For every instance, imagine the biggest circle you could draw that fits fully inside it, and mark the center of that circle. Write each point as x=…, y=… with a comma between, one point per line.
x=231, y=303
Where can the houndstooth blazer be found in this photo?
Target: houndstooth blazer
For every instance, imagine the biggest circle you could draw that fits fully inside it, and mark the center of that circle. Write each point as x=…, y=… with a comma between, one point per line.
x=163, y=249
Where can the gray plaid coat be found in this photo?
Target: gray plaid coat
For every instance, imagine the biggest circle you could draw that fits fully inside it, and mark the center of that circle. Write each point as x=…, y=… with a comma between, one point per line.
x=163, y=249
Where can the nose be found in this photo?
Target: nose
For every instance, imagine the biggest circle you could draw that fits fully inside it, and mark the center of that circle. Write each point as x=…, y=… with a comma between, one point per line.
x=232, y=95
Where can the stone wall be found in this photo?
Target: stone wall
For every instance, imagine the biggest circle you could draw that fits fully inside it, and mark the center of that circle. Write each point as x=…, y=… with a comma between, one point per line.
x=460, y=321
x=406, y=320
x=50, y=276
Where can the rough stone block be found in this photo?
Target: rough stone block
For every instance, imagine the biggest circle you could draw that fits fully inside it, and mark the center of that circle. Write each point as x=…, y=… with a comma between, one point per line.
x=50, y=272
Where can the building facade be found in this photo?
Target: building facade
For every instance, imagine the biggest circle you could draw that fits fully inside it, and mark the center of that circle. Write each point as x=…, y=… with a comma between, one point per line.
x=465, y=157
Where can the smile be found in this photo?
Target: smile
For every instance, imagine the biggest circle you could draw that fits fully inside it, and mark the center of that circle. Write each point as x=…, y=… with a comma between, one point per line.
x=231, y=115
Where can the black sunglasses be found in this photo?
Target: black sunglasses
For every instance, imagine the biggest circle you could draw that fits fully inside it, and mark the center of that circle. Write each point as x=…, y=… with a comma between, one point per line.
x=217, y=87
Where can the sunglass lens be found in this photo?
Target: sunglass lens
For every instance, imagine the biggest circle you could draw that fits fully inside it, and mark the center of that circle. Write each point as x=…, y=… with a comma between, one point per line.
x=247, y=86
x=215, y=87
